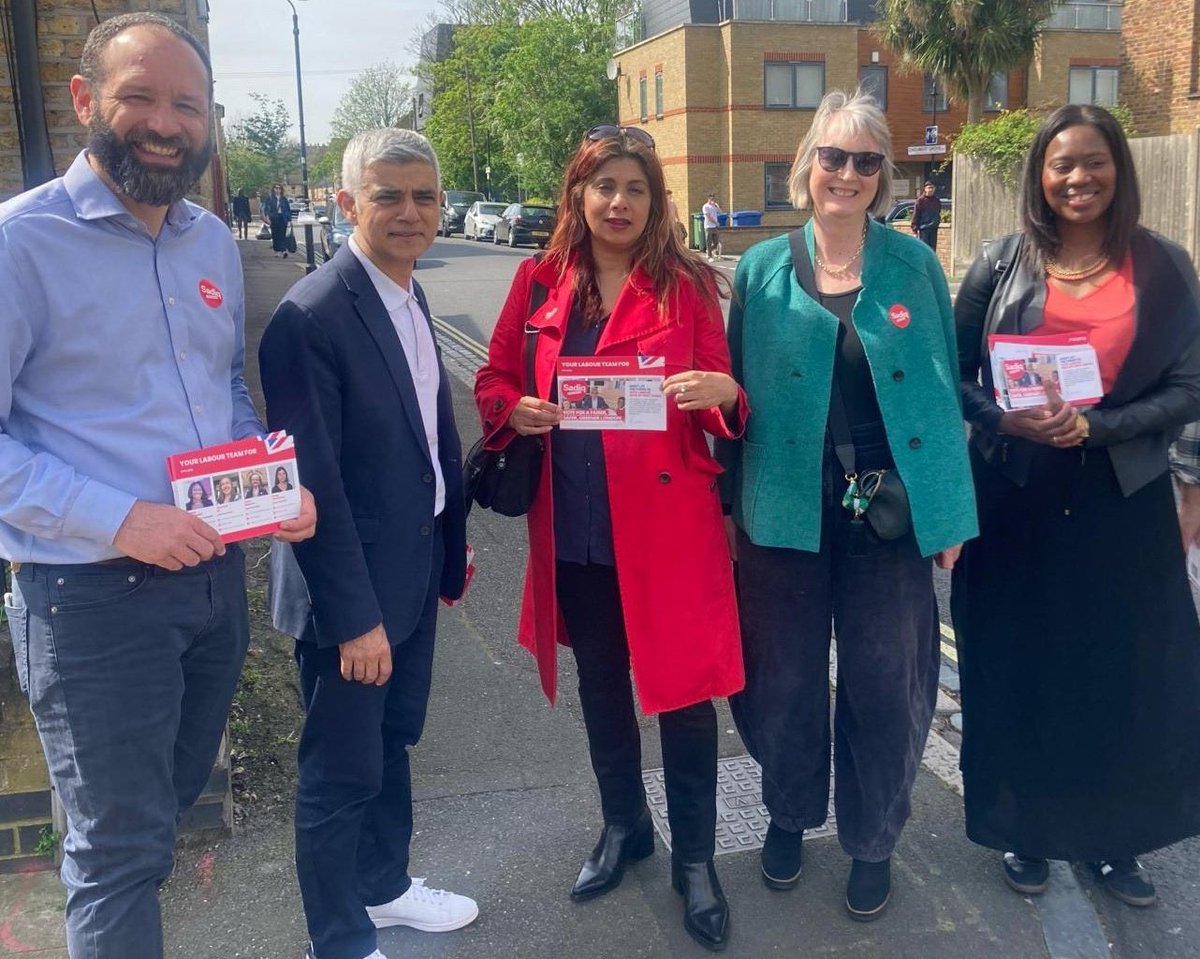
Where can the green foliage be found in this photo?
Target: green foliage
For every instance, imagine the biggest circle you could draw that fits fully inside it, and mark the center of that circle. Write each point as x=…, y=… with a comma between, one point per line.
x=1001, y=145
x=263, y=135
x=48, y=841
x=326, y=170
x=380, y=96
x=245, y=169
x=964, y=42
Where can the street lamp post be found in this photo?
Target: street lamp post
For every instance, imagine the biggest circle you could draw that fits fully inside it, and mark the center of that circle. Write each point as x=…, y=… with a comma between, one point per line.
x=487, y=172
x=308, y=230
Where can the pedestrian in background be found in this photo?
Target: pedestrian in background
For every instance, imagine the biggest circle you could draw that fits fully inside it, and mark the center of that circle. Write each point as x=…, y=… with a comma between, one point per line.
x=711, y=212
x=128, y=614
x=628, y=562
x=277, y=212
x=1082, y=735
x=241, y=213
x=673, y=216
x=927, y=216
x=850, y=309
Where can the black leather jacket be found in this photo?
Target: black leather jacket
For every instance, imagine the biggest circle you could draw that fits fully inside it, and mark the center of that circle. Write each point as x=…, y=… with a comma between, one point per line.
x=1157, y=390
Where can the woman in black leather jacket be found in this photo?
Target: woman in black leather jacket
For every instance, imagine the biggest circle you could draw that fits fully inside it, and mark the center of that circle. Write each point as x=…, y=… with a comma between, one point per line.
x=1078, y=639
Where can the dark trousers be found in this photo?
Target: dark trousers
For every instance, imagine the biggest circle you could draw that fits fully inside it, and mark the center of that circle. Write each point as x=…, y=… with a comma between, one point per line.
x=929, y=236
x=279, y=227
x=354, y=792
x=884, y=612
x=590, y=600
x=130, y=671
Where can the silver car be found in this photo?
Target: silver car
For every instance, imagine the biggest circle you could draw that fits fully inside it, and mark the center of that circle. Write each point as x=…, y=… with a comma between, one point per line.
x=480, y=221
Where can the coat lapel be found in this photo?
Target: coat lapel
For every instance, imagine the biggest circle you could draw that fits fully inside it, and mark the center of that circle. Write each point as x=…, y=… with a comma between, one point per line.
x=635, y=314
x=375, y=318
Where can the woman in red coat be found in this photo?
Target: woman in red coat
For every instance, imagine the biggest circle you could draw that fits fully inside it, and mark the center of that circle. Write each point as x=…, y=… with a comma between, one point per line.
x=628, y=561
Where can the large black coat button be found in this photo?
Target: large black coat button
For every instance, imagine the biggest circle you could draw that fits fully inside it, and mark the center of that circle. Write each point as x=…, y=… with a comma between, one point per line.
x=914, y=443
x=664, y=477
x=898, y=376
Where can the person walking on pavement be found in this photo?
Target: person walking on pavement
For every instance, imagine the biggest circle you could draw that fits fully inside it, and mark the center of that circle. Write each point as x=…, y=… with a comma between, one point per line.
x=927, y=216
x=843, y=336
x=712, y=238
x=241, y=213
x=628, y=562
x=277, y=212
x=121, y=308
x=673, y=216
x=350, y=368
x=1082, y=737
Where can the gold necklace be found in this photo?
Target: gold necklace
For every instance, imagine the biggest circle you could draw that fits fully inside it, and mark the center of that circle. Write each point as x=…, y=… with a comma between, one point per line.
x=842, y=272
x=1056, y=271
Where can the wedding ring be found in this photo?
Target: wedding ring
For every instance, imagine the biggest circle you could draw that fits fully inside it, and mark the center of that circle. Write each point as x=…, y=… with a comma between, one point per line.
x=682, y=390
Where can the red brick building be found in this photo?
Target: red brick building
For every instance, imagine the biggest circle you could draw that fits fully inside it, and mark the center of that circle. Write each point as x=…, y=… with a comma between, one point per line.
x=1160, y=65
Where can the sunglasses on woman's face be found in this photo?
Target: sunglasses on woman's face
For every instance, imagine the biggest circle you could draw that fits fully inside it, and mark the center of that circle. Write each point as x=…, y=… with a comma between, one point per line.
x=606, y=130
x=833, y=159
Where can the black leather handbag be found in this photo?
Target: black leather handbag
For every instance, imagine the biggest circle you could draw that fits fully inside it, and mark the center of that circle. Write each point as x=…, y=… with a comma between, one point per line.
x=290, y=240
x=506, y=481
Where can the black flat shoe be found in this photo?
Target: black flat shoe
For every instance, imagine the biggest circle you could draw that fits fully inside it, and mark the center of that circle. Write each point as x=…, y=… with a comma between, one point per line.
x=782, y=857
x=1029, y=877
x=705, y=911
x=1127, y=880
x=869, y=889
x=618, y=846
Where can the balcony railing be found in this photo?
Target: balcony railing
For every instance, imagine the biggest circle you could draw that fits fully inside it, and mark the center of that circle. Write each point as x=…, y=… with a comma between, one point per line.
x=1081, y=15
x=791, y=11
x=629, y=29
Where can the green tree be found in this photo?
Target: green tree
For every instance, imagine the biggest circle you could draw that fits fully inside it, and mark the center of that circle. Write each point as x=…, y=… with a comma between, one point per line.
x=245, y=169
x=380, y=96
x=964, y=42
x=265, y=132
x=326, y=169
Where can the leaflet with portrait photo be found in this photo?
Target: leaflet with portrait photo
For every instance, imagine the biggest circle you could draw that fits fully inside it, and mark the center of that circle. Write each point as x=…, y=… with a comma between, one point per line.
x=1022, y=365
x=612, y=393
x=241, y=489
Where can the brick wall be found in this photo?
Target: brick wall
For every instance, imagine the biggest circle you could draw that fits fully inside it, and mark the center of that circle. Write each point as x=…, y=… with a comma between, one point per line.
x=63, y=25
x=1159, y=52
x=1058, y=51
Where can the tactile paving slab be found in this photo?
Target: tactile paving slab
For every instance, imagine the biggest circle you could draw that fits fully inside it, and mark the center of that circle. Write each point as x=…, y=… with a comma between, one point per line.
x=741, y=817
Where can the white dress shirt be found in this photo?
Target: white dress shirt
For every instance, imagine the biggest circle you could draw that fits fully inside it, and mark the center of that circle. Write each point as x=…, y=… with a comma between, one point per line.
x=416, y=338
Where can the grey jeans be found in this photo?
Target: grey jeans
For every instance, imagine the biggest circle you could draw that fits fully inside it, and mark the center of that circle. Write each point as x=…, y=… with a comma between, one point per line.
x=130, y=671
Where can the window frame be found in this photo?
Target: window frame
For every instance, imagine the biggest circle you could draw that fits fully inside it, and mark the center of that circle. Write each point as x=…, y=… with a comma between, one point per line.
x=880, y=69
x=940, y=101
x=658, y=94
x=1093, y=71
x=794, y=66
x=1004, y=103
x=643, y=99
x=786, y=169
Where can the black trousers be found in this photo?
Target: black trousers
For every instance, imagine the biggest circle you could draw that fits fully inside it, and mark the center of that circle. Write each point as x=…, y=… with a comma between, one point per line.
x=590, y=600
x=279, y=226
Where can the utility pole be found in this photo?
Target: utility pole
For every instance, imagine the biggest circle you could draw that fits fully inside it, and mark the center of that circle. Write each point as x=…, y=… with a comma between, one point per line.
x=471, y=128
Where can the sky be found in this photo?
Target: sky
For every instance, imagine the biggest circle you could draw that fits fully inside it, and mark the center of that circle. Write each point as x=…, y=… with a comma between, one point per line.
x=252, y=51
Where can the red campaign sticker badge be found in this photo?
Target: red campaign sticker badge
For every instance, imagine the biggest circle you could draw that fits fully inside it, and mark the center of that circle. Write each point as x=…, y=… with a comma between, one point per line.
x=211, y=294
x=573, y=390
x=899, y=315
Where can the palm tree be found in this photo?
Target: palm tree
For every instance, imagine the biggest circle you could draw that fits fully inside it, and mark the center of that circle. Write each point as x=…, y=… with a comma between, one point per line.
x=964, y=42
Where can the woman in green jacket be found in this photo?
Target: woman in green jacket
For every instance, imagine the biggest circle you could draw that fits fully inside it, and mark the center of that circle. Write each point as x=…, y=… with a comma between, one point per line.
x=843, y=336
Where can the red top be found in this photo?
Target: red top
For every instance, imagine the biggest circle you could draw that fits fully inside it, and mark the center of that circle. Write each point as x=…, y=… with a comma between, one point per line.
x=1105, y=314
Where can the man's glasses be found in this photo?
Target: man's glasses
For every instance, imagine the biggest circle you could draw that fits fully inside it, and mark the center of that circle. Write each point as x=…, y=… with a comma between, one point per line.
x=833, y=159
x=606, y=130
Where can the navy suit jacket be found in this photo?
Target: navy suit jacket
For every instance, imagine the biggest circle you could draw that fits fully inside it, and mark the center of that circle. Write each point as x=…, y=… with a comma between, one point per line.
x=335, y=377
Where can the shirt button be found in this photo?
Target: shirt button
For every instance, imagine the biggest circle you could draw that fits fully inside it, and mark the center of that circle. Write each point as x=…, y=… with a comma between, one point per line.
x=898, y=376
x=914, y=443
x=183, y=354
x=426, y=530
x=61, y=581
x=170, y=301
x=664, y=477
x=198, y=408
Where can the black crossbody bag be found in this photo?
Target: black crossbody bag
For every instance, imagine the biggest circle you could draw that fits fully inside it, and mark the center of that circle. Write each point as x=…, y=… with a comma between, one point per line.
x=876, y=496
x=506, y=481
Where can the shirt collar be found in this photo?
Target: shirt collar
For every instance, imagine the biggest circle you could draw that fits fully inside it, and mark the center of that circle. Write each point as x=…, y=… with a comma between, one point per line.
x=392, y=293
x=93, y=199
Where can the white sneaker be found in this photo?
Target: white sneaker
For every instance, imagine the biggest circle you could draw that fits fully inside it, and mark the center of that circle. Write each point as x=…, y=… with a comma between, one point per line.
x=429, y=910
x=375, y=955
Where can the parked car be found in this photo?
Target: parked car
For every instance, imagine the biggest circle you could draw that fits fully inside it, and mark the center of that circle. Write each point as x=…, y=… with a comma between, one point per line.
x=480, y=221
x=902, y=211
x=521, y=223
x=454, y=210
x=335, y=230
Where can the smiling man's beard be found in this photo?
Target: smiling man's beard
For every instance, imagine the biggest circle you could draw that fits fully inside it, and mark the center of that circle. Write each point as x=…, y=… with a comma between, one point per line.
x=142, y=183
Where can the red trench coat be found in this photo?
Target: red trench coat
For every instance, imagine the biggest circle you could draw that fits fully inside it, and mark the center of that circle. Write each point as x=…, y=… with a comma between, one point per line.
x=673, y=563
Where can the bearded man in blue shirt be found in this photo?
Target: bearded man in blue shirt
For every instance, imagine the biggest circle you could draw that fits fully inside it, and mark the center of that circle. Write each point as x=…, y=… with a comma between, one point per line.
x=121, y=318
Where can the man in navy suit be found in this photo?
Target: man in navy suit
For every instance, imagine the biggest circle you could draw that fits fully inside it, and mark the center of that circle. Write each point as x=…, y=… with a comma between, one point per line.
x=351, y=369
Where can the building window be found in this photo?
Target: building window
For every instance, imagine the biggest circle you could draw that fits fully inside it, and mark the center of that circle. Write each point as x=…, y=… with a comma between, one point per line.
x=934, y=99
x=775, y=186
x=995, y=98
x=794, y=85
x=643, y=112
x=1096, y=85
x=873, y=81
x=658, y=94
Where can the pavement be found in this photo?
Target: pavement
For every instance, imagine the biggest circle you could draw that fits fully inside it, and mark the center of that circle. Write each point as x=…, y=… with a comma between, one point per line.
x=506, y=809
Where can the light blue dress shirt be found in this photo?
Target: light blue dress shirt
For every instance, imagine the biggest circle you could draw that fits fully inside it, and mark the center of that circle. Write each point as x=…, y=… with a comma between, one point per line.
x=122, y=349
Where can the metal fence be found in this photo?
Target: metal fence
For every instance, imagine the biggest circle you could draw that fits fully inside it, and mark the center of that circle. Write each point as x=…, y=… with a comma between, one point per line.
x=792, y=11
x=1075, y=15
x=1168, y=170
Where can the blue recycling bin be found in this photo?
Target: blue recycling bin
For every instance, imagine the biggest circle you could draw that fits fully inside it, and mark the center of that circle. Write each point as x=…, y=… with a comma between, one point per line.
x=722, y=219
x=747, y=218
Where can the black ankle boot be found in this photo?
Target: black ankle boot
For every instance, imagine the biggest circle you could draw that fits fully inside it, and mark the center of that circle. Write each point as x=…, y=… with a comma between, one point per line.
x=705, y=911
x=618, y=846
x=869, y=889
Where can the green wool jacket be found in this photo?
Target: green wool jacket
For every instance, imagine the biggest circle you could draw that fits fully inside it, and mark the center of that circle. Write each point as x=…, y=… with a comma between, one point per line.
x=782, y=344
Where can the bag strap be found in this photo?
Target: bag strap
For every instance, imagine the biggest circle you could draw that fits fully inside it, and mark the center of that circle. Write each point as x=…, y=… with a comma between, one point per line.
x=839, y=423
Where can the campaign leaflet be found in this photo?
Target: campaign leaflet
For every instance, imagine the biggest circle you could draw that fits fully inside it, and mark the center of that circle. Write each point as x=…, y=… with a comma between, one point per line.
x=241, y=489
x=612, y=393
x=1022, y=365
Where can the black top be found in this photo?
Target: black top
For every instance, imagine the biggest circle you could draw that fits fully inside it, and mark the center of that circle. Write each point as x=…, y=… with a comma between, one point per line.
x=850, y=366
x=582, y=520
x=927, y=212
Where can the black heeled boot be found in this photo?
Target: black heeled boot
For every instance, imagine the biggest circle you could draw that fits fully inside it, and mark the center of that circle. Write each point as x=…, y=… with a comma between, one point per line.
x=705, y=911
x=618, y=846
